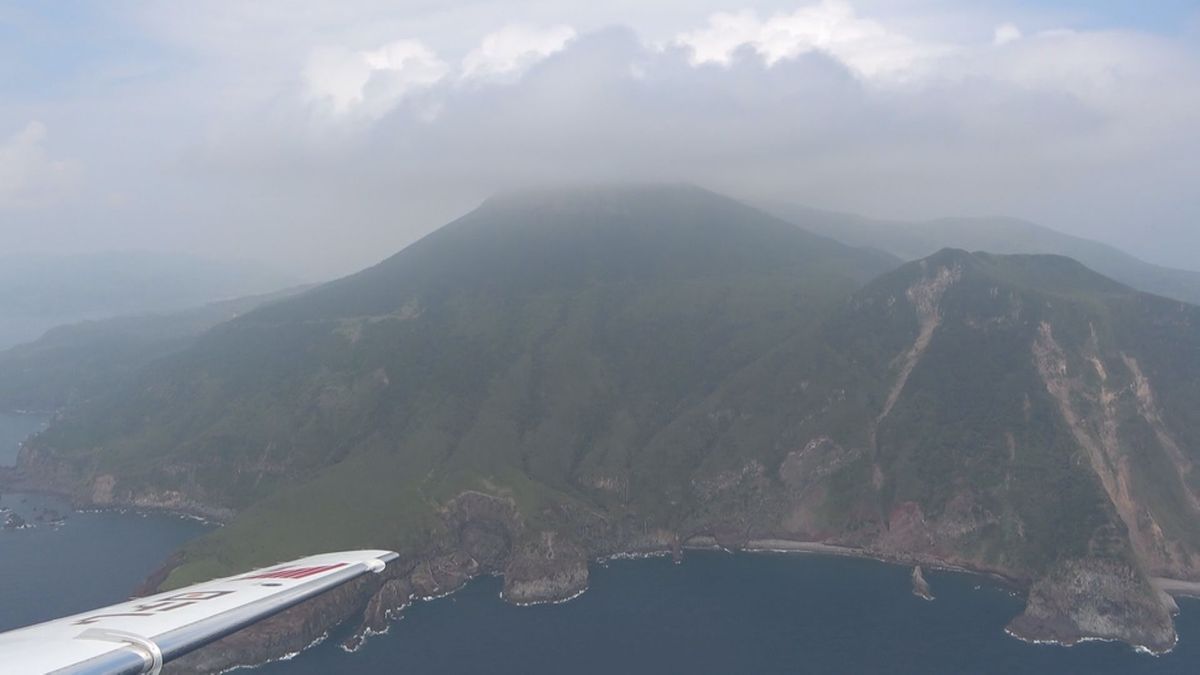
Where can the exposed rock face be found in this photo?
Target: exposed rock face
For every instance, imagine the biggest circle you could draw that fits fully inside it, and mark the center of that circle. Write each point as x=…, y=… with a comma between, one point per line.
x=999, y=414
x=925, y=296
x=920, y=586
x=14, y=522
x=817, y=460
x=38, y=470
x=385, y=606
x=102, y=489
x=1096, y=410
x=545, y=571
x=286, y=633
x=1096, y=599
x=442, y=575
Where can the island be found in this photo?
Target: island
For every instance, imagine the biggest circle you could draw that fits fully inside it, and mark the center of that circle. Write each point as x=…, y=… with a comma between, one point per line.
x=567, y=375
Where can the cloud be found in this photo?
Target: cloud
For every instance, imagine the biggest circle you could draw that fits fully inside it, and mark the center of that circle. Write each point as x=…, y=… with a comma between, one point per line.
x=1047, y=127
x=29, y=177
x=831, y=26
x=513, y=48
x=330, y=135
x=371, y=81
x=1006, y=33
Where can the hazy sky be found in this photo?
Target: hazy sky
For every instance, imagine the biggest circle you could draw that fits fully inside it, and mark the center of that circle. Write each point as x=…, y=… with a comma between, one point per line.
x=322, y=136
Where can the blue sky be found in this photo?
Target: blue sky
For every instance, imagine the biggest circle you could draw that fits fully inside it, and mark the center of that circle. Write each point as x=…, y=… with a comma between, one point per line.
x=317, y=135
x=1172, y=17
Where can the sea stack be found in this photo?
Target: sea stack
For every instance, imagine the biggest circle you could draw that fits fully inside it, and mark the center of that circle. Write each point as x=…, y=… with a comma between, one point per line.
x=920, y=587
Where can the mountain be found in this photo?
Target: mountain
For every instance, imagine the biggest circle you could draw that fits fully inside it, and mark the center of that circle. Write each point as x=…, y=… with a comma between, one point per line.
x=621, y=303
x=76, y=362
x=913, y=240
x=563, y=375
x=38, y=292
x=1017, y=414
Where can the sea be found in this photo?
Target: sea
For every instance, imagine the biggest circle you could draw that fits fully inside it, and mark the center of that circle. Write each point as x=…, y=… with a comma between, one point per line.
x=55, y=567
x=711, y=613
x=14, y=429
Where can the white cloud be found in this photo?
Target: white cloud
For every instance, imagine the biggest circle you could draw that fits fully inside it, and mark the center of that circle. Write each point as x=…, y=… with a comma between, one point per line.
x=372, y=81
x=513, y=48
x=28, y=175
x=265, y=138
x=832, y=26
x=1006, y=33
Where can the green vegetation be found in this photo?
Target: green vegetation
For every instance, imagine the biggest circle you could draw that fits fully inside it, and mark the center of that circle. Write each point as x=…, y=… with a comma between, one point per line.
x=607, y=365
x=73, y=363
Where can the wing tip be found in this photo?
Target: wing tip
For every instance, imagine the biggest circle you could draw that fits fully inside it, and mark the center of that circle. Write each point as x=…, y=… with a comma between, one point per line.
x=379, y=562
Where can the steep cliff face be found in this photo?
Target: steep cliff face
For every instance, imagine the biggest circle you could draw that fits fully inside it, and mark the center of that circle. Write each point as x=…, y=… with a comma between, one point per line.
x=1028, y=441
x=287, y=633
x=981, y=411
x=624, y=372
x=1096, y=599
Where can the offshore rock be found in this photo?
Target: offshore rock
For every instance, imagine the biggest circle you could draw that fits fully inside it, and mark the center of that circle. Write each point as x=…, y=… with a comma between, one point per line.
x=920, y=587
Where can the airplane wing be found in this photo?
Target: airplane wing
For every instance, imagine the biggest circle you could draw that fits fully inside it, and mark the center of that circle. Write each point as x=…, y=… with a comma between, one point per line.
x=140, y=635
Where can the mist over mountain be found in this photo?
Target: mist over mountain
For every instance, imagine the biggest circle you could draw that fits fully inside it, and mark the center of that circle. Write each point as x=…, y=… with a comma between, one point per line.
x=911, y=240
x=78, y=361
x=564, y=374
x=320, y=138
x=516, y=289
x=38, y=292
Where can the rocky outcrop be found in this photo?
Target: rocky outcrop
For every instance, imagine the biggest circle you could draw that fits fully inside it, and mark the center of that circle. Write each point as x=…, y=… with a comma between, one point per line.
x=385, y=606
x=547, y=569
x=14, y=522
x=284, y=634
x=1093, y=599
x=40, y=470
x=920, y=587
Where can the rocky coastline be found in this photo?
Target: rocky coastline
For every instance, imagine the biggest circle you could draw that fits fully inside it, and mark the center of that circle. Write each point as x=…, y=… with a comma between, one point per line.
x=374, y=603
x=485, y=535
x=549, y=569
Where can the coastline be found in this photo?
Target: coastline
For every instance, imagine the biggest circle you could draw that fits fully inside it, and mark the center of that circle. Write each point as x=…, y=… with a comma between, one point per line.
x=76, y=506
x=562, y=590
x=1140, y=649
x=788, y=546
x=676, y=550
x=791, y=547
x=1177, y=588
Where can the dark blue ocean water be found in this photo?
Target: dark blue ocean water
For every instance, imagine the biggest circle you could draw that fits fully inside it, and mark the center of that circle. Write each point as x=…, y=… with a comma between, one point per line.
x=714, y=613
x=88, y=561
x=720, y=613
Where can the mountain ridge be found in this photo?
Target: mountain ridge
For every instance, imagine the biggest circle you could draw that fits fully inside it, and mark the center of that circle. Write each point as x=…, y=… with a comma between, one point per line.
x=912, y=240
x=1016, y=415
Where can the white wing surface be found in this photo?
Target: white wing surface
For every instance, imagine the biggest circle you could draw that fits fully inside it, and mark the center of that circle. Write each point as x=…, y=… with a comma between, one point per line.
x=140, y=635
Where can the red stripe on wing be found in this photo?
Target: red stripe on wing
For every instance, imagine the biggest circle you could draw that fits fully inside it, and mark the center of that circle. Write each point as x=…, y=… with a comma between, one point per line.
x=294, y=572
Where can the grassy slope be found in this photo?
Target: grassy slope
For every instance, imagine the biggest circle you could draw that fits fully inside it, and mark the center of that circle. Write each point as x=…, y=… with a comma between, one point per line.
x=75, y=362
x=659, y=356
x=532, y=345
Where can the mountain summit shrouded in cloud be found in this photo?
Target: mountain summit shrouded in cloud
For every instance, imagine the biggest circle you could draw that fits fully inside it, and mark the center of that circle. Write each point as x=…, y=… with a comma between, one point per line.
x=318, y=134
